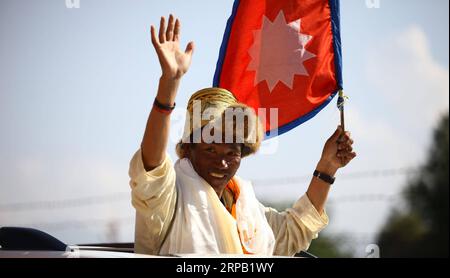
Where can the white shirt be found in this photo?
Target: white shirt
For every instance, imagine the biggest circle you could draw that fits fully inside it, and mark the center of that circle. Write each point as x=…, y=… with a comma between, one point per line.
x=166, y=216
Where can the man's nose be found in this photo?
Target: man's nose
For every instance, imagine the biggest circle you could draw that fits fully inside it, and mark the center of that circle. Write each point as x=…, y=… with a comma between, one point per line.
x=223, y=163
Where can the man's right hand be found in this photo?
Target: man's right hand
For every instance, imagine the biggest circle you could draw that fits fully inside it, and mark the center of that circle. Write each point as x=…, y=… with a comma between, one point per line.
x=174, y=62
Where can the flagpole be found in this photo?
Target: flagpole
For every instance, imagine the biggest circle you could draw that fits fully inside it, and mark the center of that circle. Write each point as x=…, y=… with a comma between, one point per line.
x=340, y=104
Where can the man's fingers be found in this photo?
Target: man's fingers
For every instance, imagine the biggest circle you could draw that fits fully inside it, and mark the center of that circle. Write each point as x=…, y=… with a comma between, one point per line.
x=153, y=35
x=162, y=28
x=350, y=157
x=346, y=145
x=345, y=153
x=344, y=136
x=189, y=48
x=346, y=160
x=336, y=135
x=170, y=28
x=177, y=31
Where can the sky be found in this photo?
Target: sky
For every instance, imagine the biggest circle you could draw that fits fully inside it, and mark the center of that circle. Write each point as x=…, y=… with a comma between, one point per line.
x=76, y=87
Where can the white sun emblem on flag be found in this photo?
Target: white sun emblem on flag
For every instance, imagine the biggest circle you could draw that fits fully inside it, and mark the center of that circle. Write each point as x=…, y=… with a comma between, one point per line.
x=278, y=52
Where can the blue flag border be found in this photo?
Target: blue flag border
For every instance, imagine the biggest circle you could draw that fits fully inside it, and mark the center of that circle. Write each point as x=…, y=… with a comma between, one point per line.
x=337, y=46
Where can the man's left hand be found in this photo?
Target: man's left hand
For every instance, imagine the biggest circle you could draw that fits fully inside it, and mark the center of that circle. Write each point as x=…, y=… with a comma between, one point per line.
x=337, y=152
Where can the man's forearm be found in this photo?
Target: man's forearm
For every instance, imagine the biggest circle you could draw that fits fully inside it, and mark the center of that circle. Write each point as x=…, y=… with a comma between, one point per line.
x=156, y=136
x=318, y=189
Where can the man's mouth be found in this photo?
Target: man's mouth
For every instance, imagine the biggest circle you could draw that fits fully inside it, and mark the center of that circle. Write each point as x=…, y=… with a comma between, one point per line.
x=217, y=175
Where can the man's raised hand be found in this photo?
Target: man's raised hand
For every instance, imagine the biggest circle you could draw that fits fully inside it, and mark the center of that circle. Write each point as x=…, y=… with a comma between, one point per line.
x=174, y=62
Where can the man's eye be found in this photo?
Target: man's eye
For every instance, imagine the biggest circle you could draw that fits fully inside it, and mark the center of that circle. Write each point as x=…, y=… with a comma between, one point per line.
x=210, y=150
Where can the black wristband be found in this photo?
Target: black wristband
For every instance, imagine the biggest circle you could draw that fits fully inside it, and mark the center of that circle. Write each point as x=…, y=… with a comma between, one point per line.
x=326, y=178
x=162, y=106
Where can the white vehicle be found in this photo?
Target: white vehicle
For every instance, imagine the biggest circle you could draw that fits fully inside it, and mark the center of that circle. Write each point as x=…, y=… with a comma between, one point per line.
x=16, y=242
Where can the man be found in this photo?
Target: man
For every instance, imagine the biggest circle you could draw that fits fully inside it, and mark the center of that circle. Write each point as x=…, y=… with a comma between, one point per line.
x=198, y=205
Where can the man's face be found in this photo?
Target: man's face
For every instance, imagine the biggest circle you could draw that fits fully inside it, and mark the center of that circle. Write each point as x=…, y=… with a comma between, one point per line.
x=215, y=163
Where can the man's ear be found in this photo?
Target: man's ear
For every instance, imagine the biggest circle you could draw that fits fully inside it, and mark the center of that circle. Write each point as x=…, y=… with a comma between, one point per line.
x=187, y=149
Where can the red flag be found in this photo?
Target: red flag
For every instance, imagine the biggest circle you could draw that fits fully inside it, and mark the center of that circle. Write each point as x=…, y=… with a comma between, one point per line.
x=282, y=54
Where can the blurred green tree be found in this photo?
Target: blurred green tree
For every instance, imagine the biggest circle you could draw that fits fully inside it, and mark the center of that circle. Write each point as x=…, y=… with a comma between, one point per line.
x=421, y=229
x=326, y=245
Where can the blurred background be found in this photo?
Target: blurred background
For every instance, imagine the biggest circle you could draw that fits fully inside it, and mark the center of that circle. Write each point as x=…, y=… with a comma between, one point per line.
x=77, y=84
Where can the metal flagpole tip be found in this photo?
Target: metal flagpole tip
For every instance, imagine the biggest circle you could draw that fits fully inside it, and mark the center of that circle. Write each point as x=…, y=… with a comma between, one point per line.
x=341, y=100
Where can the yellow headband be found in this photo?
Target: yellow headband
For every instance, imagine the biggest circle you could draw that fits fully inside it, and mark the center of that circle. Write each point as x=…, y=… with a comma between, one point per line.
x=216, y=100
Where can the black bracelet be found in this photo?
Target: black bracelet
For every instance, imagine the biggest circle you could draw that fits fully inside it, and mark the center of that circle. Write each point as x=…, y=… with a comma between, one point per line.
x=326, y=178
x=162, y=106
